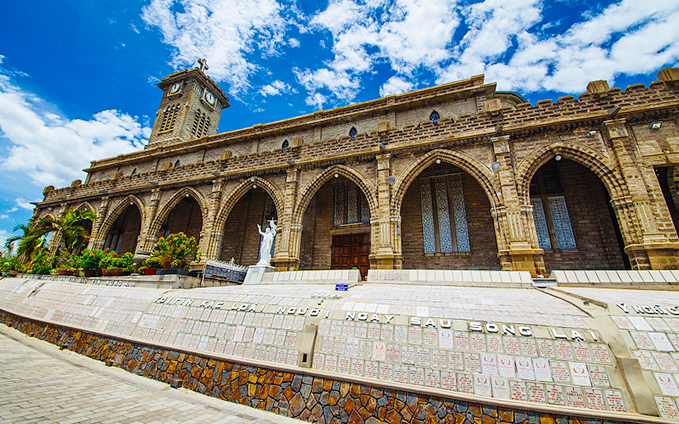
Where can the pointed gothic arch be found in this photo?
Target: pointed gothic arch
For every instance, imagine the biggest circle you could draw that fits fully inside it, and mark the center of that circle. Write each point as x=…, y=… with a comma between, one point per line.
x=232, y=198
x=166, y=209
x=121, y=227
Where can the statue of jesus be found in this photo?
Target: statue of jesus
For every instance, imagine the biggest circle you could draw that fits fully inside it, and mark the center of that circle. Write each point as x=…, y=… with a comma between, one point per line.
x=267, y=241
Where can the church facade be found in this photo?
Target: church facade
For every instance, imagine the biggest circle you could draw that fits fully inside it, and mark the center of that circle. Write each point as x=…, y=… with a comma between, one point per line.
x=456, y=176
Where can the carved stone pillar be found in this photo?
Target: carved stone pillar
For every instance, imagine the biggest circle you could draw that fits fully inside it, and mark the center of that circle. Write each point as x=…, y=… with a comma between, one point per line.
x=289, y=237
x=146, y=240
x=211, y=237
x=384, y=252
x=55, y=238
x=97, y=240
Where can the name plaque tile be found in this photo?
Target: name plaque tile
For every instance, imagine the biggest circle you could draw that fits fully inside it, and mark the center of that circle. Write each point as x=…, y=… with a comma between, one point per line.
x=546, y=349
x=319, y=361
x=267, y=321
x=260, y=353
x=438, y=358
x=239, y=318
x=536, y=392
x=582, y=352
x=379, y=352
x=231, y=345
x=348, y=329
x=386, y=371
x=248, y=334
x=673, y=323
x=472, y=362
x=324, y=327
x=518, y=390
x=401, y=373
x=423, y=357
x=455, y=361
x=331, y=363
x=668, y=386
x=461, y=340
x=219, y=348
x=409, y=310
x=661, y=342
x=414, y=335
x=279, y=340
x=298, y=324
x=257, y=320
x=667, y=407
x=500, y=386
x=599, y=376
x=290, y=339
x=278, y=322
x=506, y=366
x=211, y=344
x=615, y=400
x=494, y=343
x=213, y=329
x=658, y=324
x=563, y=350
x=416, y=375
x=465, y=383
x=478, y=342
x=528, y=347
x=622, y=322
x=595, y=399
x=361, y=330
x=239, y=350
x=445, y=339
x=432, y=378
x=430, y=337
x=374, y=331
x=393, y=353
x=288, y=321
x=674, y=339
x=343, y=364
x=372, y=369
x=357, y=366
x=340, y=346
x=408, y=355
x=448, y=380
x=482, y=386
x=240, y=332
x=579, y=374
x=542, y=370
x=511, y=346
x=258, y=335
x=248, y=318
x=489, y=364
x=665, y=361
x=640, y=323
x=561, y=372
x=646, y=360
x=387, y=333
x=601, y=353
x=365, y=349
x=249, y=351
x=336, y=328
x=401, y=334
x=352, y=347
x=574, y=397
x=269, y=336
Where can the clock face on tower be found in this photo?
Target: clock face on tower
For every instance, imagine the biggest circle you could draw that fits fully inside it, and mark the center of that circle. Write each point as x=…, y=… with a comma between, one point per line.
x=175, y=88
x=210, y=98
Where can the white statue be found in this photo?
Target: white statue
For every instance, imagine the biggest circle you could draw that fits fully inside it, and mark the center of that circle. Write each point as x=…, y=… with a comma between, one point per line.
x=267, y=241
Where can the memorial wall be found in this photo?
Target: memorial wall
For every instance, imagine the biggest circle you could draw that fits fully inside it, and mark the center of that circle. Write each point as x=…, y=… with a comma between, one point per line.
x=417, y=346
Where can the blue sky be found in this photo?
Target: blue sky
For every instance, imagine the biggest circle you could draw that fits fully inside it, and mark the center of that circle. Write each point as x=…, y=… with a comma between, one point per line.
x=78, y=78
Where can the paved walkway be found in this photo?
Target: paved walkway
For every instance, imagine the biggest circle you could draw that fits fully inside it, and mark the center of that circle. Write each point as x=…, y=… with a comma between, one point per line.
x=41, y=384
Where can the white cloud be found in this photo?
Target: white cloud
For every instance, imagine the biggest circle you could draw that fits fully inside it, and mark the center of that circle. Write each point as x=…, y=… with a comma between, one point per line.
x=53, y=150
x=395, y=85
x=4, y=235
x=23, y=204
x=275, y=88
x=4, y=216
x=223, y=31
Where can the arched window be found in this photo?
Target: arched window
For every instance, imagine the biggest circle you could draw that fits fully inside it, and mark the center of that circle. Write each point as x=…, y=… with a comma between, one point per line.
x=285, y=145
x=353, y=132
x=176, y=164
x=134, y=171
x=434, y=117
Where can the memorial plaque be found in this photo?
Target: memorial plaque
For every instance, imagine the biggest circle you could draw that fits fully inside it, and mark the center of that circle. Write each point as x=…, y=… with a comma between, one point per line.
x=257, y=320
x=400, y=373
x=673, y=323
x=658, y=324
x=661, y=342
x=361, y=330
x=267, y=321
x=372, y=369
x=327, y=344
x=599, y=376
x=230, y=346
x=665, y=361
x=465, y=383
x=668, y=386
x=348, y=329
x=324, y=327
x=292, y=357
x=500, y=386
x=423, y=357
x=238, y=335
x=387, y=333
x=250, y=351
x=239, y=349
x=524, y=368
x=646, y=360
x=340, y=346
x=615, y=400
x=409, y=310
x=271, y=354
x=247, y=319
x=555, y=394
x=595, y=399
x=674, y=339
x=506, y=366
x=582, y=352
x=455, y=361
x=518, y=390
x=379, y=352
x=489, y=363
x=528, y=347
x=430, y=336
x=357, y=366
x=601, y=353
x=482, y=385
x=579, y=374
x=640, y=323
x=229, y=317
x=298, y=325
x=343, y=364
x=563, y=350
x=278, y=322
x=248, y=334
x=374, y=331
x=221, y=331
x=259, y=335
x=279, y=340
x=574, y=397
x=445, y=338
x=546, y=349
x=478, y=342
x=401, y=334
x=336, y=328
x=494, y=343
x=561, y=372
x=331, y=363
x=448, y=380
x=281, y=355
x=318, y=362
x=260, y=353
x=512, y=346
x=219, y=348
x=536, y=392
x=416, y=375
x=472, y=362
x=667, y=407
x=415, y=335
x=542, y=370
x=408, y=354
x=393, y=353
x=461, y=340
x=438, y=359
x=386, y=371
x=352, y=347
x=365, y=349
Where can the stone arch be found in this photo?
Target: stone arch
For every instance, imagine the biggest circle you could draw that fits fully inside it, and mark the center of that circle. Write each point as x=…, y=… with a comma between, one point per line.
x=168, y=206
x=85, y=205
x=580, y=154
x=115, y=212
x=478, y=170
x=240, y=191
x=367, y=187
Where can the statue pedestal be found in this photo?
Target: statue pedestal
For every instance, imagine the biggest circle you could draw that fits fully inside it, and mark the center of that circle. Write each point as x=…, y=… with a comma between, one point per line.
x=256, y=272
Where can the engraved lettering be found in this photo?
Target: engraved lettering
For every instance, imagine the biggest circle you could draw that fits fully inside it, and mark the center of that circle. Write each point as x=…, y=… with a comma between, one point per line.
x=350, y=316
x=623, y=307
x=492, y=327
x=415, y=321
x=475, y=326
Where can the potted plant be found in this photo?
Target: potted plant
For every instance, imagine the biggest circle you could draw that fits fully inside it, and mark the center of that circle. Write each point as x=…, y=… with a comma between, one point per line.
x=42, y=264
x=5, y=267
x=125, y=263
x=90, y=261
x=150, y=266
x=176, y=252
x=107, y=264
x=68, y=265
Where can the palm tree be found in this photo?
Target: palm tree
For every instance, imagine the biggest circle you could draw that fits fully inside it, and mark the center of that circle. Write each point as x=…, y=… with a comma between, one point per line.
x=70, y=228
x=29, y=241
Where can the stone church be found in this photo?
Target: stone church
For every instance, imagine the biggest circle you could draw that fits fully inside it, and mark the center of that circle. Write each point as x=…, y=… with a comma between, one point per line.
x=456, y=176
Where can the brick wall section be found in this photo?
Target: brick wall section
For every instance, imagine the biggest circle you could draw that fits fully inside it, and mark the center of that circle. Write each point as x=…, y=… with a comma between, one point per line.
x=186, y=218
x=306, y=256
x=130, y=232
x=241, y=239
x=323, y=224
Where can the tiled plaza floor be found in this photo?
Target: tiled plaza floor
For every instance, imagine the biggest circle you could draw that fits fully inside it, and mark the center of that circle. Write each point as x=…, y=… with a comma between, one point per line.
x=41, y=384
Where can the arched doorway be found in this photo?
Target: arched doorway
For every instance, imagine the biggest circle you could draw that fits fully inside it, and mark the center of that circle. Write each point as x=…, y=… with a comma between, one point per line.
x=241, y=239
x=123, y=234
x=336, y=228
x=575, y=224
x=446, y=222
x=186, y=217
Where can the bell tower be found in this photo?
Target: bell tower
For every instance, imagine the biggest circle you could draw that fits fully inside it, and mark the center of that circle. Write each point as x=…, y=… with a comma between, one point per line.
x=190, y=107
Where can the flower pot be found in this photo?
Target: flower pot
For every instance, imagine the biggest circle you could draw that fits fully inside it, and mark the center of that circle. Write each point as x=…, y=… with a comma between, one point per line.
x=65, y=272
x=105, y=272
x=5, y=273
x=89, y=273
x=118, y=272
x=150, y=271
x=13, y=273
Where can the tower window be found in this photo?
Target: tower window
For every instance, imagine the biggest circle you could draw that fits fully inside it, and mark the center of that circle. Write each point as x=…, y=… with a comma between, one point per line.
x=353, y=132
x=169, y=117
x=434, y=117
x=201, y=124
x=134, y=171
x=176, y=164
x=285, y=145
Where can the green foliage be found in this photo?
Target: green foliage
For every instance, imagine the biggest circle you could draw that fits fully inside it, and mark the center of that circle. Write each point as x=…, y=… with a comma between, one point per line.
x=42, y=263
x=91, y=259
x=176, y=251
x=70, y=229
x=31, y=239
x=126, y=262
x=68, y=261
x=151, y=262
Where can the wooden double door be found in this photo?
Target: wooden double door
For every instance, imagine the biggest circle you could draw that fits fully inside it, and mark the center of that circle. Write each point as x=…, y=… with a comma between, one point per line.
x=351, y=251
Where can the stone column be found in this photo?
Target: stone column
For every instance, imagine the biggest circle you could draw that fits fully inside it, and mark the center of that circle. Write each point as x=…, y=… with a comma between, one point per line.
x=97, y=240
x=147, y=241
x=211, y=238
x=53, y=244
x=289, y=237
x=648, y=247
x=516, y=248
x=386, y=226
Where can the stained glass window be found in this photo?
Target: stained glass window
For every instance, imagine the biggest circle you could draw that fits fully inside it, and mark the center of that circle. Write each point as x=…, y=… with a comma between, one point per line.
x=434, y=117
x=427, y=217
x=562, y=223
x=541, y=224
x=436, y=215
